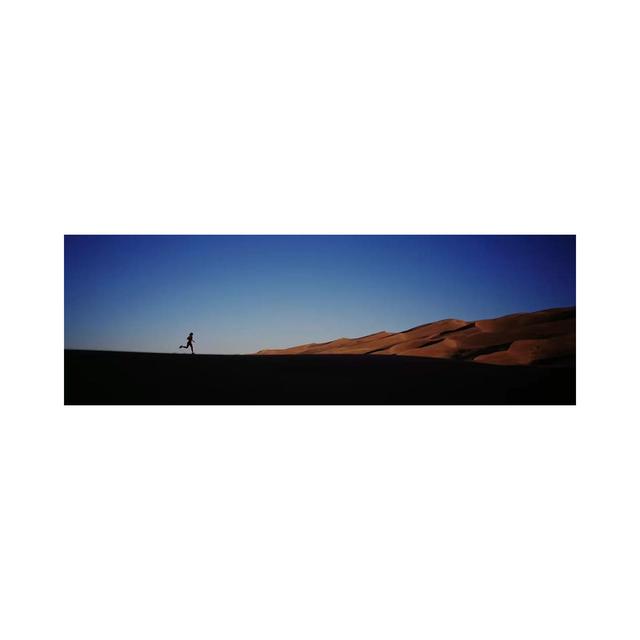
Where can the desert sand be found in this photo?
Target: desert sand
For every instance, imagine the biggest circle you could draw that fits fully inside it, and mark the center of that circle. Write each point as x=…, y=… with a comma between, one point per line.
x=538, y=338
x=446, y=362
x=112, y=377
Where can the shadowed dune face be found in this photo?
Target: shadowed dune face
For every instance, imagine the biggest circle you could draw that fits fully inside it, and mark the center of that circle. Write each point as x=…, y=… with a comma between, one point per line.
x=112, y=377
x=539, y=338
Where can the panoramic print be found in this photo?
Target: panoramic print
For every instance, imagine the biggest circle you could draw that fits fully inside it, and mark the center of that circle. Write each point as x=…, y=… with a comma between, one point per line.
x=323, y=320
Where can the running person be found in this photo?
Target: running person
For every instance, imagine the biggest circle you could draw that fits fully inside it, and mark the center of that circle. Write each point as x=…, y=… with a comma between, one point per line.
x=190, y=342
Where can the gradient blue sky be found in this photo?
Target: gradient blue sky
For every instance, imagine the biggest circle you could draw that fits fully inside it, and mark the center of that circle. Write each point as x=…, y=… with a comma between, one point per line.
x=239, y=294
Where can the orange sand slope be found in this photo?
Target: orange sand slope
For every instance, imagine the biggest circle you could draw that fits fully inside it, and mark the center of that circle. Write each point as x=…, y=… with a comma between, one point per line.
x=540, y=338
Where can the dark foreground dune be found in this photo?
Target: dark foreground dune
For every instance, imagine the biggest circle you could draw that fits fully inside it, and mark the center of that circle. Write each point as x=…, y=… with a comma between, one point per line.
x=111, y=377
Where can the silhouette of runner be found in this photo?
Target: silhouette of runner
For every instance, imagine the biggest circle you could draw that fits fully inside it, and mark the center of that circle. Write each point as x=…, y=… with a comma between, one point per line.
x=190, y=342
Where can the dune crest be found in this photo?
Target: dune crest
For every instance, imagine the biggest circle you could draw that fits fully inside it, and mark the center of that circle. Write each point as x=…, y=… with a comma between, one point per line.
x=539, y=338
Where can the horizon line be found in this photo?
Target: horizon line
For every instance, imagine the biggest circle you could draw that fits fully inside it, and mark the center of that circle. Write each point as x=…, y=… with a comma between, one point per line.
x=318, y=343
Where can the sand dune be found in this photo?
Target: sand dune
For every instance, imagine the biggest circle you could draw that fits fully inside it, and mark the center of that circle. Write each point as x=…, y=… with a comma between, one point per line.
x=540, y=338
x=112, y=377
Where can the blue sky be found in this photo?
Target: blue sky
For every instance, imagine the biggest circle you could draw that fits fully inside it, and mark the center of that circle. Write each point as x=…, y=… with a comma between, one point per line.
x=239, y=294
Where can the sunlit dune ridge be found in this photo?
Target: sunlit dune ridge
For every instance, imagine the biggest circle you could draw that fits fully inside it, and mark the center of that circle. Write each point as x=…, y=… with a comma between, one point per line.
x=545, y=337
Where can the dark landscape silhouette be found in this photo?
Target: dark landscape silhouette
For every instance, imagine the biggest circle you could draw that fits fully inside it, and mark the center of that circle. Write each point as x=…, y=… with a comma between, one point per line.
x=519, y=359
